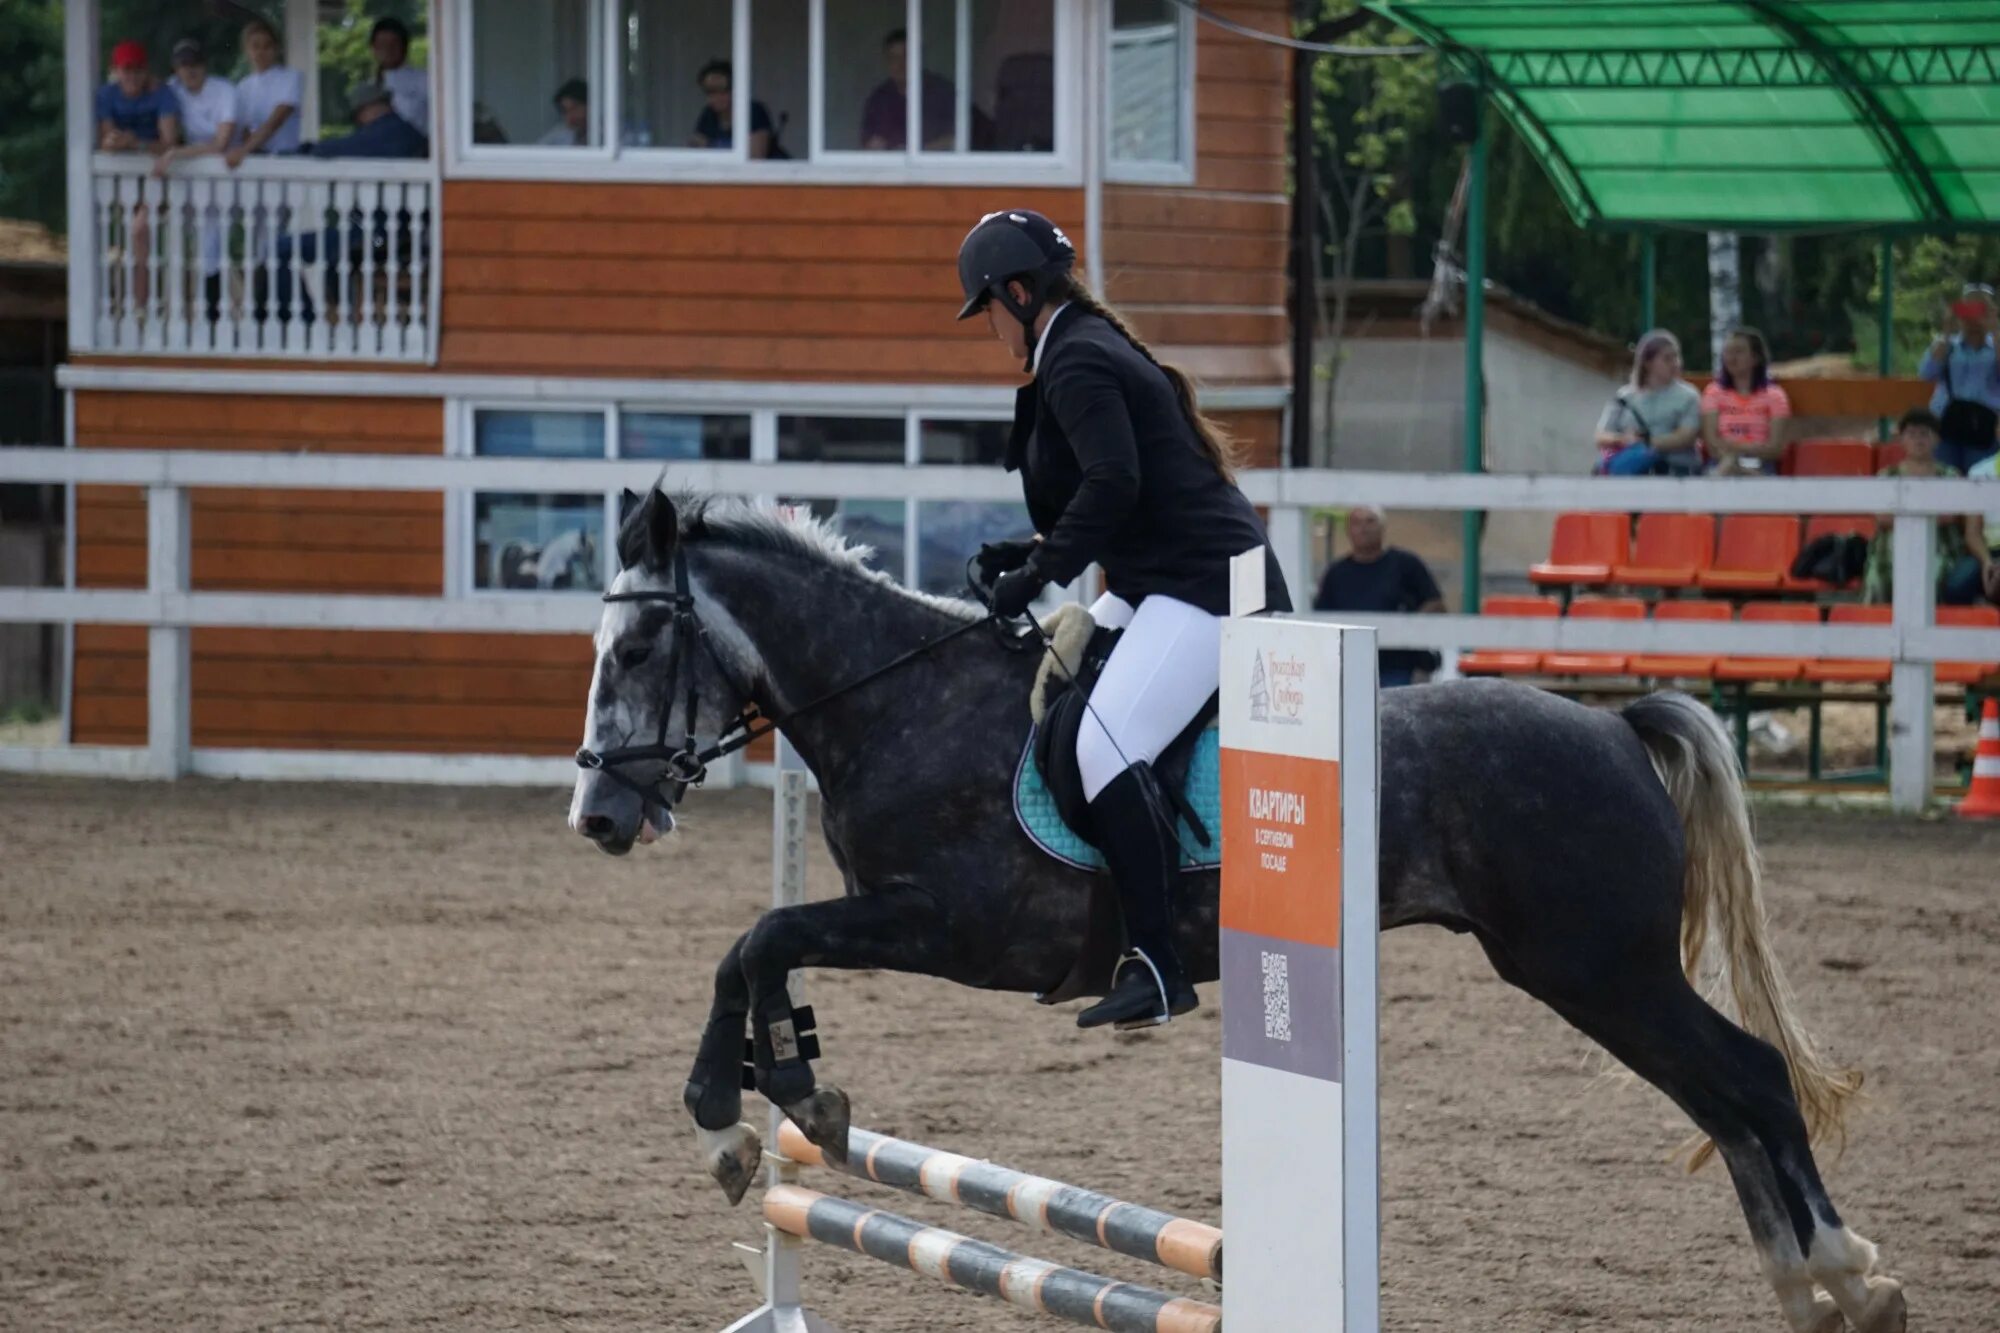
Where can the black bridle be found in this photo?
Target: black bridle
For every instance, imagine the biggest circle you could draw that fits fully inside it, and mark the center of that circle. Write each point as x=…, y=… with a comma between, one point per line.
x=687, y=763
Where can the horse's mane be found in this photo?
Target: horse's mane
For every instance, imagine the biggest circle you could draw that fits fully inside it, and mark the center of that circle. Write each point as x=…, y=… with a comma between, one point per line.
x=711, y=520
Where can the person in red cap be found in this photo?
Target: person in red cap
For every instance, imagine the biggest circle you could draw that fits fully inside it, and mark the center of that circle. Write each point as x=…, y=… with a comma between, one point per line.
x=135, y=113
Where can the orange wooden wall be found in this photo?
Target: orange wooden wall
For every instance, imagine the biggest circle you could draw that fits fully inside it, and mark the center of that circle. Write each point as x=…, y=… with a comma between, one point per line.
x=308, y=689
x=1201, y=268
x=805, y=282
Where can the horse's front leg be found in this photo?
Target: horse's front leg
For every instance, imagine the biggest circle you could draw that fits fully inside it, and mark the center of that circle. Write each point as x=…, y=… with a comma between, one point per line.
x=897, y=930
x=730, y=1149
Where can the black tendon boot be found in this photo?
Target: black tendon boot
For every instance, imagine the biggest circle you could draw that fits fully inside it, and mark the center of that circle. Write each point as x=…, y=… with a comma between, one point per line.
x=1149, y=986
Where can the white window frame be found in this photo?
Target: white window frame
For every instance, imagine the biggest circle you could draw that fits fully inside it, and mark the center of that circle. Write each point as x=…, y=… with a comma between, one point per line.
x=461, y=419
x=1131, y=172
x=1073, y=27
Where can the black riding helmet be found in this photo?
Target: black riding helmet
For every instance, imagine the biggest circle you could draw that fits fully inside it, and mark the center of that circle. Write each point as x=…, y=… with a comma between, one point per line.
x=1015, y=244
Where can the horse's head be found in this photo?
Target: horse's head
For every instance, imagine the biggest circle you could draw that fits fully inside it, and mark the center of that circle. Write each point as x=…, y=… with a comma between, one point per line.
x=671, y=666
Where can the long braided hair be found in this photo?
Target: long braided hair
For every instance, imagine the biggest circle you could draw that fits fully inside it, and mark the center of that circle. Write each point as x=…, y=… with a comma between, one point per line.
x=1215, y=441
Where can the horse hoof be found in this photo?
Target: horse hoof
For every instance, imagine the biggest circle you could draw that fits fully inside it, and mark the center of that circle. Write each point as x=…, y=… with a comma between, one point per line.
x=732, y=1156
x=824, y=1118
x=1827, y=1318
x=1886, y=1310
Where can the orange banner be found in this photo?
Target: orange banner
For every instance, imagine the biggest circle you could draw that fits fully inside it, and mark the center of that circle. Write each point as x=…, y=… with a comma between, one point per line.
x=1281, y=847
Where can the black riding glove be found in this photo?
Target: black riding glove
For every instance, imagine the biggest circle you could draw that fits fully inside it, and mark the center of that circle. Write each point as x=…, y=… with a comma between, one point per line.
x=1015, y=590
x=997, y=558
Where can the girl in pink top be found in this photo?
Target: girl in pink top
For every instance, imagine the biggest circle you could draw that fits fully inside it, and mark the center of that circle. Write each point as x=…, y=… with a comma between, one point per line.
x=1743, y=412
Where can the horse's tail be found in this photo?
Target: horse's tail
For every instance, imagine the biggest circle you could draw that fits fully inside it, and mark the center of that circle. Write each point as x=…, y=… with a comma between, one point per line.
x=1724, y=897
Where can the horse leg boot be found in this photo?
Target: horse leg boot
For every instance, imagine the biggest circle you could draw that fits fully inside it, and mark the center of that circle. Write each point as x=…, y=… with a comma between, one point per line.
x=784, y=1075
x=1149, y=987
x=731, y=1150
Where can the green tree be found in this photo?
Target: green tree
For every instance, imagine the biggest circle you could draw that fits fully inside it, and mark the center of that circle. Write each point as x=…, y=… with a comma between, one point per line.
x=31, y=111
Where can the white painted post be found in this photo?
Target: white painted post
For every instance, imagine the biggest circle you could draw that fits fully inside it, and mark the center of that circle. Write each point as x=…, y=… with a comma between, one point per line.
x=1300, y=1156
x=1912, y=685
x=776, y=1264
x=1290, y=529
x=169, y=684
x=81, y=75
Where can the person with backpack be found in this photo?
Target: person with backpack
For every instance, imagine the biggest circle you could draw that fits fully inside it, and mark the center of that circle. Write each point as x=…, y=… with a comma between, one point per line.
x=1966, y=370
x=1119, y=469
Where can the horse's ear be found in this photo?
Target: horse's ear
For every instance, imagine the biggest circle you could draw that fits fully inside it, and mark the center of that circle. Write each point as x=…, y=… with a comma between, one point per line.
x=663, y=529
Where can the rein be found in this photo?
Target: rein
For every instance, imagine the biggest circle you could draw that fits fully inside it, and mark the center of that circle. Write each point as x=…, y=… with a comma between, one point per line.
x=687, y=765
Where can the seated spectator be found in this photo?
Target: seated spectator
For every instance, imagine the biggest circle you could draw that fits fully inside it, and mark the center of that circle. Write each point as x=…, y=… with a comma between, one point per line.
x=134, y=113
x=573, y=107
x=1375, y=577
x=378, y=130
x=1653, y=423
x=409, y=87
x=1956, y=569
x=208, y=120
x=885, y=115
x=715, y=127
x=1743, y=411
x=1966, y=370
x=267, y=98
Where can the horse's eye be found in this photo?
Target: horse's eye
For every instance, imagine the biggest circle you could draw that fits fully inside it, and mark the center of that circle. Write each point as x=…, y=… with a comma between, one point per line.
x=635, y=656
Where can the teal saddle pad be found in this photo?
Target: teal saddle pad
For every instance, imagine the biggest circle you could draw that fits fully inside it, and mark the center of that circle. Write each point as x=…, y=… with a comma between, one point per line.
x=1036, y=810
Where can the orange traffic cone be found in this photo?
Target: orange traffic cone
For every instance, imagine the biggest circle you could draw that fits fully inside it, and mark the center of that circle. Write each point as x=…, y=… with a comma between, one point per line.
x=1982, y=799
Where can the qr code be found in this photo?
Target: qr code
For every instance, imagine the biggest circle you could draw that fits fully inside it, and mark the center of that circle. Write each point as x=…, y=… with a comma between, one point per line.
x=1277, y=997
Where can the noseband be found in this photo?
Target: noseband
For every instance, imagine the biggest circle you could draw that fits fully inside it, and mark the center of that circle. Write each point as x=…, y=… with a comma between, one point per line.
x=687, y=765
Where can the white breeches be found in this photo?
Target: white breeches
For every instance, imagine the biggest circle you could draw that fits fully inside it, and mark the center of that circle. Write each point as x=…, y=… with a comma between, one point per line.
x=1162, y=671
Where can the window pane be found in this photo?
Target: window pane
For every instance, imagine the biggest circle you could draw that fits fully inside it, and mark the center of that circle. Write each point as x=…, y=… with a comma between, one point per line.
x=950, y=532
x=676, y=435
x=873, y=523
x=867, y=75
x=531, y=65
x=1013, y=72
x=780, y=64
x=539, y=434
x=1146, y=82
x=540, y=542
x=664, y=45
x=968, y=443
x=840, y=439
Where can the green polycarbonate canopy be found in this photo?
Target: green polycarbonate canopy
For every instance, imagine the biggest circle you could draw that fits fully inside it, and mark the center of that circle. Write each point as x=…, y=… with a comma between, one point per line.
x=1756, y=115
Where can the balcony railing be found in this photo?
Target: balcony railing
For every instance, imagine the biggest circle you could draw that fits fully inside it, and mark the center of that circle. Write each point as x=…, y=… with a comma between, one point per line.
x=279, y=258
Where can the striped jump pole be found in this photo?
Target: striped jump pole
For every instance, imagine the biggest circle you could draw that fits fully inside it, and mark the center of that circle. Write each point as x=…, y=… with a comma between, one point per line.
x=1194, y=1248
x=1030, y=1284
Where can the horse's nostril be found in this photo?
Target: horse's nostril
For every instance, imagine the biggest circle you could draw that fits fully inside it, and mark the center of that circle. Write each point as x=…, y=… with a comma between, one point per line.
x=598, y=828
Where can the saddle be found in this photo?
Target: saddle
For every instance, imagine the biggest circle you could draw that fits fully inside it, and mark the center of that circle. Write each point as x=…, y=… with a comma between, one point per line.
x=1057, y=704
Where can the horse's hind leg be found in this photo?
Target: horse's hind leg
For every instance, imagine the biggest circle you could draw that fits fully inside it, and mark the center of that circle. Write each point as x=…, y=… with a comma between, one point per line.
x=1737, y=1090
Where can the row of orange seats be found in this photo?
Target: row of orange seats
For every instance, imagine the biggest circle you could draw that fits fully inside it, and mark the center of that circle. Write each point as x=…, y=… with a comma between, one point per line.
x=1838, y=458
x=1692, y=666
x=1740, y=554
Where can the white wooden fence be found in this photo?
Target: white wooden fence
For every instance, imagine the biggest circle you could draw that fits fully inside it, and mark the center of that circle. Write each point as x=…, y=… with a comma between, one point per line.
x=293, y=257
x=170, y=608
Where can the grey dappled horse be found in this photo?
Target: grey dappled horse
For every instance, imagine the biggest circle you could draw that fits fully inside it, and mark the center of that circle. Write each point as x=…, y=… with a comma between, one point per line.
x=1589, y=852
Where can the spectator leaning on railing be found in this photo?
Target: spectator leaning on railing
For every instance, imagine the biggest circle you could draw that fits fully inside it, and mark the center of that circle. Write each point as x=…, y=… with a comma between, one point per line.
x=1377, y=577
x=1744, y=414
x=1955, y=570
x=1966, y=370
x=268, y=98
x=1653, y=423
x=136, y=115
x=208, y=118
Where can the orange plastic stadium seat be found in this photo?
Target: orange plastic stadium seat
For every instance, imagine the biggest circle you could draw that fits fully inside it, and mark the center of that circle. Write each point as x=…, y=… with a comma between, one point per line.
x=1681, y=666
x=1753, y=553
x=1888, y=454
x=1509, y=661
x=1669, y=551
x=1833, y=458
x=1820, y=525
x=1745, y=669
x=1967, y=617
x=1595, y=664
x=1853, y=670
x=1584, y=549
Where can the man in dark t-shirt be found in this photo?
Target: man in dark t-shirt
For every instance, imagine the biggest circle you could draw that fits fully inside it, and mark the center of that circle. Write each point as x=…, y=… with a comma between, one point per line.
x=1376, y=577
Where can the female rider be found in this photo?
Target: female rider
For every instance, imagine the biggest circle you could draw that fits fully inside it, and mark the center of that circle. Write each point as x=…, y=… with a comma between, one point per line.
x=1119, y=468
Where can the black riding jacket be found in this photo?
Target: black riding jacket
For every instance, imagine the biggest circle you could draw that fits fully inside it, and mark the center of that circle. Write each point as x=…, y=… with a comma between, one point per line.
x=1113, y=472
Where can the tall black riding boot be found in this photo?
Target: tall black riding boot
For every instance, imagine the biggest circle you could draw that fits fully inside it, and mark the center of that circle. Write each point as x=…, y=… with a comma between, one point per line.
x=1149, y=986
